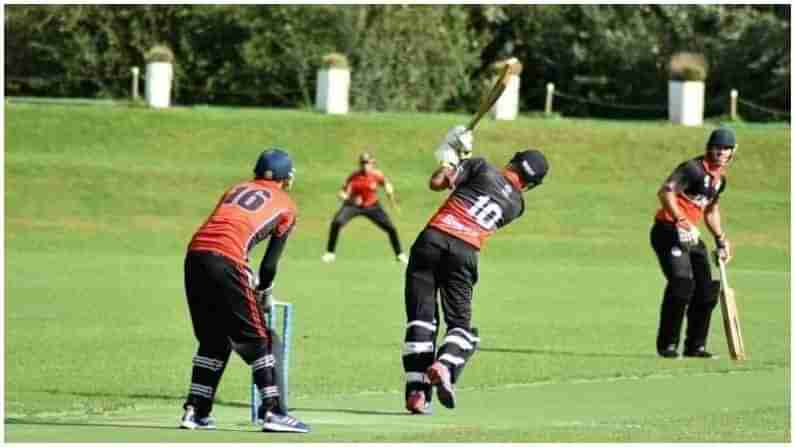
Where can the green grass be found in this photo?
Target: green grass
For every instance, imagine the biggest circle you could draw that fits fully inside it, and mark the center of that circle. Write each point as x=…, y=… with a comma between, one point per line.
x=101, y=201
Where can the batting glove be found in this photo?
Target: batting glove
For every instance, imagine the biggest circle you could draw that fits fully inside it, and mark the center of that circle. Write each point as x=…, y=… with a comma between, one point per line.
x=461, y=140
x=724, y=248
x=688, y=236
x=446, y=155
x=265, y=298
x=457, y=145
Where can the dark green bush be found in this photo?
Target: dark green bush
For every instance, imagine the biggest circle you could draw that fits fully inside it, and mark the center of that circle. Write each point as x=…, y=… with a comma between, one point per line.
x=405, y=57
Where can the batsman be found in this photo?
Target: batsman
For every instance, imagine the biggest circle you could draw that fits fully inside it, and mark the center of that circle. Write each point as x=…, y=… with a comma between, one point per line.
x=691, y=192
x=226, y=299
x=443, y=262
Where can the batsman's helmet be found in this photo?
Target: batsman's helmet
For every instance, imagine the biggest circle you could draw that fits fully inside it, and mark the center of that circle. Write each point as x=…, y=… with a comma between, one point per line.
x=722, y=137
x=532, y=167
x=274, y=164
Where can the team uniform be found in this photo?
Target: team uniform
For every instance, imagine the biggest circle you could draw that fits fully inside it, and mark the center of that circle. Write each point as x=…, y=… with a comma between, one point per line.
x=362, y=189
x=690, y=289
x=227, y=300
x=444, y=259
x=220, y=287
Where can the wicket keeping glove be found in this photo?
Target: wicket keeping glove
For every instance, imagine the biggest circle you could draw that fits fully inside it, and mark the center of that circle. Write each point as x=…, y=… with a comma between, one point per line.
x=265, y=298
x=688, y=236
x=724, y=248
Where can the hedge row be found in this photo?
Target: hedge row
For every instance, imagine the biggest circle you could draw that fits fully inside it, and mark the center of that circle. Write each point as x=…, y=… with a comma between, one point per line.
x=427, y=58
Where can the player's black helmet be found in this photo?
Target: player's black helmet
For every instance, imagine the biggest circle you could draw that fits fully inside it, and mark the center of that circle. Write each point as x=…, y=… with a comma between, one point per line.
x=274, y=164
x=531, y=165
x=722, y=137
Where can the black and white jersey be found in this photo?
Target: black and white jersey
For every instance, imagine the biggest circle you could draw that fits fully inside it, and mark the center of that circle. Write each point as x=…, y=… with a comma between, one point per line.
x=482, y=201
x=696, y=188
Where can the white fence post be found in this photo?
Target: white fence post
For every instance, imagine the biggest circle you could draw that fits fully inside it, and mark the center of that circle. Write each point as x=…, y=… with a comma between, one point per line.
x=135, y=72
x=733, y=104
x=548, y=102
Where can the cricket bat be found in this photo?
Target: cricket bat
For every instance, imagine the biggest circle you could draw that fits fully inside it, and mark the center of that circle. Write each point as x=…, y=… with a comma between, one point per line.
x=512, y=67
x=731, y=319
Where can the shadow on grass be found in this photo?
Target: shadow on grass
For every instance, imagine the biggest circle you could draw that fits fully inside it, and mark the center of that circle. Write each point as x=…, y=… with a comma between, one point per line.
x=50, y=423
x=179, y=398
x=563, y=353
x=352, y=411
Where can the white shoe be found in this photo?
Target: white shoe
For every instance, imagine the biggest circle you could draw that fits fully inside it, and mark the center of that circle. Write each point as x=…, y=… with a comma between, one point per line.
x=403, y=258
x=191, y=421
x=328, y=257
x=283, y=423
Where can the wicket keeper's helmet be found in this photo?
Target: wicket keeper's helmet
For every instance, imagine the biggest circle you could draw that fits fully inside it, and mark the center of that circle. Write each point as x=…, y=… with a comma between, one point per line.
x=722, y=136
x=274, y=164
x=531, y=165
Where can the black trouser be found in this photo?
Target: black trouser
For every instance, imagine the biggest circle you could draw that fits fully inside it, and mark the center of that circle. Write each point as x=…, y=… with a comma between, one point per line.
x=690, y=289
x=439, y=263
x=375, y=213
x=225, y=315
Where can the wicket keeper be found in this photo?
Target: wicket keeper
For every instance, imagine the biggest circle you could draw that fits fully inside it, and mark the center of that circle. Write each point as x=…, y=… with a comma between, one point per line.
x=693, y=190
x=359, y=196
x=226, y=299
x=444, y=262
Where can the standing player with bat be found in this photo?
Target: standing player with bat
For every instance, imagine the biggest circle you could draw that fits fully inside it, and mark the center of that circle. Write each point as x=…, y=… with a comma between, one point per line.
x=444, y=262
x=359, y=196
x=690, y=192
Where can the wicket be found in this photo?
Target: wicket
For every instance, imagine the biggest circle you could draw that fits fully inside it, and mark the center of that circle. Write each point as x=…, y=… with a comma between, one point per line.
x=283, y=357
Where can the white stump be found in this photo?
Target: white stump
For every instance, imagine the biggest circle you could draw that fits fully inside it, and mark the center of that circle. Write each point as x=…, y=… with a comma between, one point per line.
x=507, y=107
x=158, y=84
x=333, y=85
x=686, y=102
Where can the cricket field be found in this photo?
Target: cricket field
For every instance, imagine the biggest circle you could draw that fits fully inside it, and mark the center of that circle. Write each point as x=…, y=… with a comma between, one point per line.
x=100, y=202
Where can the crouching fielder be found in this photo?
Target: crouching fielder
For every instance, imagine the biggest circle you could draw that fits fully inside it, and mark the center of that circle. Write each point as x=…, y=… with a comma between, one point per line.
x=444, y=261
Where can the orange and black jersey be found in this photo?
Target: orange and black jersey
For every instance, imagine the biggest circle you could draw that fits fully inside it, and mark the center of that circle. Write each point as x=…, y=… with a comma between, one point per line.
x=482, y=201
x=696, y=188
x=248, y=213
x=364, y=185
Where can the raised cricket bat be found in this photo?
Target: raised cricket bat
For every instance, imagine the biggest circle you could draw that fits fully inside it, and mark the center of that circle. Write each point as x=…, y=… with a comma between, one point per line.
x=731, y=319
x=512, y=67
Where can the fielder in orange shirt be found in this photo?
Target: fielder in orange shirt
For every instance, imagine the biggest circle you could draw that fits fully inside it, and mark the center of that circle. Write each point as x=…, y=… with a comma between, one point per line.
x=227, y=300
x=359, y=195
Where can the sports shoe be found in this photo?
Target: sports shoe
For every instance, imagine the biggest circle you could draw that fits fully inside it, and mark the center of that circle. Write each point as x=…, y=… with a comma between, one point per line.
x=403, y=258
x=669, y=352
x=191, y=421
x=700, y=353
x=416, y=403
x=283, y=423
x=440, y=378
x=328, y=257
